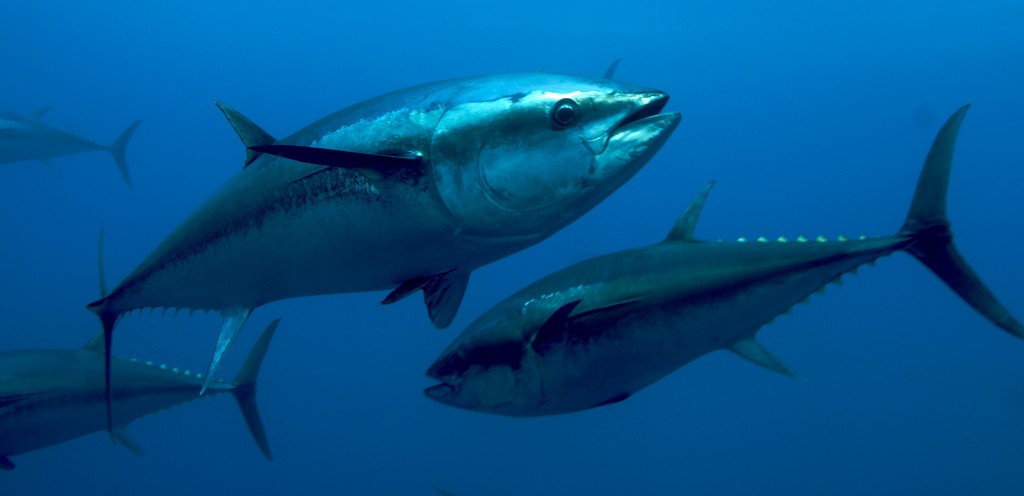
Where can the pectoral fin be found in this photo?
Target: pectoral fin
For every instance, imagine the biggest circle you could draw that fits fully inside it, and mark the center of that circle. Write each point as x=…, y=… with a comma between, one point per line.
x=751, y=350
x=554, y=329
x=371, y=165
x=6, y=463
x=122, y=436
x=442, y=292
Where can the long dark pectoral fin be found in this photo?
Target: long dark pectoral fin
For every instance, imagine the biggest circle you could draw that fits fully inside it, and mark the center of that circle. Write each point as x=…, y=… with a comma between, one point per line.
x=757, y=354
x=6, y=463
x=442, y=293
x=247, y=130
x=245, y=388
x=369, y=164
x=234, y=319
x=931, y=239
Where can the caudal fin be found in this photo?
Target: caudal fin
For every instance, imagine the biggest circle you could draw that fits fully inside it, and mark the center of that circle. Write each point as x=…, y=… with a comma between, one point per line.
x=118, y=149
x=245, y=388
x=108, y=320
x=932, y=240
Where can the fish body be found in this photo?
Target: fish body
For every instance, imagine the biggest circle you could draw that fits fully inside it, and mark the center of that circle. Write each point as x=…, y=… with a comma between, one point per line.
x=599, y=331
x=27, y=138
x=51, y=396
x=407, y=191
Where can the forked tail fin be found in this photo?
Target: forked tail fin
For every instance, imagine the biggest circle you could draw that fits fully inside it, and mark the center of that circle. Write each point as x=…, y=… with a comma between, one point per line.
x=118, y=149
x=245, y=388
x=108, y=321
x=932, y=240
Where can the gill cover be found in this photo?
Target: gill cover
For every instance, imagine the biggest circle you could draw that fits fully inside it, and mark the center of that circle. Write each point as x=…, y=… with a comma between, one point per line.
x=512, y=165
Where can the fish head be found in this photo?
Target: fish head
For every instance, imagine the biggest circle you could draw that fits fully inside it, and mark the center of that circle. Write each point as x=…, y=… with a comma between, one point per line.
x=522, y=156
x=492, y=372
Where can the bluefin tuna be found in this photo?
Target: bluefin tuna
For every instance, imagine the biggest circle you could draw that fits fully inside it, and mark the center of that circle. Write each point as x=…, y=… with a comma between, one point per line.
x=48, y=397
x=601, y=330
x=27, y=137
x=408, y=191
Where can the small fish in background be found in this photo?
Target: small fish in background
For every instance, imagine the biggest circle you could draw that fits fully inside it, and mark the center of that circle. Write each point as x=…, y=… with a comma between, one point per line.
x=27, y=137
x=48, y=397
x=409, y=191
x=601, y=330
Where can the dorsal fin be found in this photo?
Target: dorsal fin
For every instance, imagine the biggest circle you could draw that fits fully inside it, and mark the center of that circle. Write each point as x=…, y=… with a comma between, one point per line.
x=609, y=73
x=751, y=350
x=685, y=225
x=39, y=113
x=247, y=130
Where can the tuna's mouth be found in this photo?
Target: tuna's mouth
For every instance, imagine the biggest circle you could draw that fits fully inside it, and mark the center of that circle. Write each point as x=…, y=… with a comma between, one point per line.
x=655, y=103
x=442, y=393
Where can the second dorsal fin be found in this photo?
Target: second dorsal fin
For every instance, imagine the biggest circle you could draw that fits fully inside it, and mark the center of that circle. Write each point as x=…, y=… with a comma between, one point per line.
x=685, y=225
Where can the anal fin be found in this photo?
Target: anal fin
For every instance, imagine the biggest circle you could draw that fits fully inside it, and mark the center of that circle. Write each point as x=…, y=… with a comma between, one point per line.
x=234, y=319
x=122, y=436
x=755, y=352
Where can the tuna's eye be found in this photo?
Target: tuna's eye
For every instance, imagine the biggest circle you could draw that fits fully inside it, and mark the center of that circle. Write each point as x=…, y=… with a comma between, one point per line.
x=565, y=112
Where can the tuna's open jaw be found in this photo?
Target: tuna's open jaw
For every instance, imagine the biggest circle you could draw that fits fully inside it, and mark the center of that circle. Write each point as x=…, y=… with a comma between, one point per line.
x=649, y=110
x=440, y=392
x=635, y=140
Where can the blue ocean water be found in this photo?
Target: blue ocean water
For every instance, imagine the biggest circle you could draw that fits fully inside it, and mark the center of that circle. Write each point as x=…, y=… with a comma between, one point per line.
x=814, y=118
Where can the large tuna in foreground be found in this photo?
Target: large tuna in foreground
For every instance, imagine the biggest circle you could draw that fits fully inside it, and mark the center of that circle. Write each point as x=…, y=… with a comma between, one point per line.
x=408, y=191
x=599, y=331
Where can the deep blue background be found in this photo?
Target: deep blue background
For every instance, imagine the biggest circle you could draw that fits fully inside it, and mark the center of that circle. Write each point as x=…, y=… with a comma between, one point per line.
x=813, y=119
